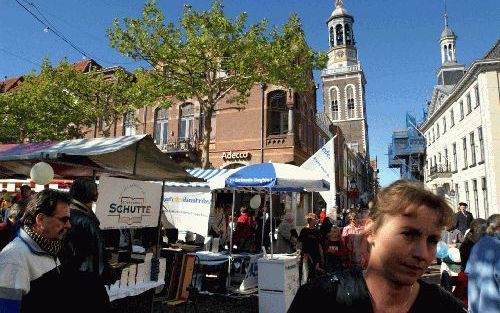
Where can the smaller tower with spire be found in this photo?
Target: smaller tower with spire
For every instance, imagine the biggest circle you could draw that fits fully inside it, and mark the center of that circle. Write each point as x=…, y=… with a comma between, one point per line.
x=448, y=41
x=450, y=71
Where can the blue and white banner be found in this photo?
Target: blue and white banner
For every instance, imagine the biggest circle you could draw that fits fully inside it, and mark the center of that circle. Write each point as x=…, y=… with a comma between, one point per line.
x=323, y=163
x=188, y=211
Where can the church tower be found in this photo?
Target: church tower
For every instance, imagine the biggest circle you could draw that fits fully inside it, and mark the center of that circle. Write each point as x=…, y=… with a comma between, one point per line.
x=344, y=81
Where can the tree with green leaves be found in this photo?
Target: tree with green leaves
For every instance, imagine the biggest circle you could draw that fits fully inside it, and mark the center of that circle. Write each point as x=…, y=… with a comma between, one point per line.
x=60, y=103
x=208, y=56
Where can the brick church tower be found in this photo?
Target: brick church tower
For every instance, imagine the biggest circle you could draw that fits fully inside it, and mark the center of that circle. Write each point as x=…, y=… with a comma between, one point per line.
x=344, y=81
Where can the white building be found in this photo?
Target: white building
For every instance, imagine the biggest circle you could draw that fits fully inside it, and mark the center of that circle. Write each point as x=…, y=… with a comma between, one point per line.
x=462, y=130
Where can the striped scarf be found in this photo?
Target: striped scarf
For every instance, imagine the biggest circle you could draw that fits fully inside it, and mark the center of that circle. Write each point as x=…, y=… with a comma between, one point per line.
x=52, y=247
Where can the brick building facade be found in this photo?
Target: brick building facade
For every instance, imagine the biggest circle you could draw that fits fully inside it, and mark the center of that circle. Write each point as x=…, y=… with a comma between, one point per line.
x=290, y=129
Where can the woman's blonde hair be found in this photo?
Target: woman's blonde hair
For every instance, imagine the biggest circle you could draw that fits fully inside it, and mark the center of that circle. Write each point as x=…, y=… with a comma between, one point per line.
x=404, y=197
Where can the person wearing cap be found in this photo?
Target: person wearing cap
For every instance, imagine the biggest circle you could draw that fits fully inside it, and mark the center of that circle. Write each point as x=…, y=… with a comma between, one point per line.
x=463, y=218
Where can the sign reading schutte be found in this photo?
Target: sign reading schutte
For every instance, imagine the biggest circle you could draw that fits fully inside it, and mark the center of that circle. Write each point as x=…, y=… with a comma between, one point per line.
x=125, y=203
x=236, y=155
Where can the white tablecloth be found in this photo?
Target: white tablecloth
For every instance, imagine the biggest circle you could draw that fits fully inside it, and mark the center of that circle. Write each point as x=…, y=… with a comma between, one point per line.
x=135, y=290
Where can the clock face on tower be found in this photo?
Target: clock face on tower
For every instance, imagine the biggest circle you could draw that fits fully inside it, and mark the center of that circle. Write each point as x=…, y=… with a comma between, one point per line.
x=340, y=54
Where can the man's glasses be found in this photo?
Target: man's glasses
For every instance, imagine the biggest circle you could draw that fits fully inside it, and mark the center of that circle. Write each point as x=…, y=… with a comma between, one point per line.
x=63, y=219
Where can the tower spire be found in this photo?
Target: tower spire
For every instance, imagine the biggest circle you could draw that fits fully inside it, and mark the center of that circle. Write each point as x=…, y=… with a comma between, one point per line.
x=339, y=3
x=445, y=14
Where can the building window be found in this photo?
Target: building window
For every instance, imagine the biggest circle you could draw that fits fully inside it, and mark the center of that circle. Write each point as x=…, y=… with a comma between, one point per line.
x=472, y=149
x=478, y=99
x=433, y=135
x=438, y=133
x=311, y=129
x=129, y=124
x=186, y=121
x=461, y=110
x=446, y=164
x=350, y=102
x=339, y=34
x=467, y=193
x=304, y=129
x=213, y=121
x=457, y=193
x=440, y=159
x=485, y=197
x=455, y=162
x=161, y=126
x=464, y=144
x=481, y=144
x=469, y=104
x=335, y=104
x=348, y=35
x=444, y=124
x=476, y=197
x=278, y=113
x=452, y=118
x=332, y=37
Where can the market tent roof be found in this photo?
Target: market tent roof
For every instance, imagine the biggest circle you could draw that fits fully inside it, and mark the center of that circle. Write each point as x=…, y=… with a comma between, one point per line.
x=201, y=173
x=134, y=157
x=273, y=176
x=206, y=174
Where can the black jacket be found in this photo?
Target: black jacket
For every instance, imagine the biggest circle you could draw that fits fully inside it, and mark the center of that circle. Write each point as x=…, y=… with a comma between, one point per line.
x=85, y=263
x=346, y=292
x=463, y=221
x=83, y=246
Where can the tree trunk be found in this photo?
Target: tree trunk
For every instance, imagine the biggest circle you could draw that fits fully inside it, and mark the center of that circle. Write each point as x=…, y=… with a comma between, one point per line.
x=205, y=148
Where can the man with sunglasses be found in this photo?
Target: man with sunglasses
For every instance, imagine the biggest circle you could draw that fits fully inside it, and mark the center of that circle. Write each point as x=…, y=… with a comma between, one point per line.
x=30, y=272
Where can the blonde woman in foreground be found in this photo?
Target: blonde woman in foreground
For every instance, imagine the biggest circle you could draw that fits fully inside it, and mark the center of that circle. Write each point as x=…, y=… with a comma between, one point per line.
x=402, y=231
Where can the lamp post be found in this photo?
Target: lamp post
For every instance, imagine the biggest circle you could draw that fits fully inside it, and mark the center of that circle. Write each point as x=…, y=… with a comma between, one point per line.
x=351, y=187
x=263, y=86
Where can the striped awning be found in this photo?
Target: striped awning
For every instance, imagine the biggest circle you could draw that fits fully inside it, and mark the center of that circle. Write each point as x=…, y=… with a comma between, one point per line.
x=206, y=174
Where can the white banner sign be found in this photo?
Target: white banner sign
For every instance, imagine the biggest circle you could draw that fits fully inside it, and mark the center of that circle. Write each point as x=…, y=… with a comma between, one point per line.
x=188, y=211
x=323, y=163
x=126, y=203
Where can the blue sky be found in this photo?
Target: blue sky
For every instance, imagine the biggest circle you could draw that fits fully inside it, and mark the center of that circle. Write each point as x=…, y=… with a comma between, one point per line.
x=397, y=42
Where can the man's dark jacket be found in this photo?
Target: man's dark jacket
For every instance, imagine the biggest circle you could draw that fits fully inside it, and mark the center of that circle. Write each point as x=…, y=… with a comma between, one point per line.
x=463, y=221
x=83, y=257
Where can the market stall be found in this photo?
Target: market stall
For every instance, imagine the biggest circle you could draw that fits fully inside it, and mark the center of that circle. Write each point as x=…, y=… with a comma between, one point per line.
x=278, y=274
x=128, y=199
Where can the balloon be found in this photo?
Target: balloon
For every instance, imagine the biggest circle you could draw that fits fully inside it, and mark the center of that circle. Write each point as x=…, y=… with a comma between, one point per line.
x=255, y=202
x=454, y=255
x=42, y=173
x=442, y=250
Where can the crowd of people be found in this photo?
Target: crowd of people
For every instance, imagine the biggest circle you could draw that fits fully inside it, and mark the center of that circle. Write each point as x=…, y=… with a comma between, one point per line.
x=363, y=260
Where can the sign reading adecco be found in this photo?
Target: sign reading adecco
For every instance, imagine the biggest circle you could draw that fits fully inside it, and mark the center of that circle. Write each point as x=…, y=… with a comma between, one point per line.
x=125, y=203
x=235, y=155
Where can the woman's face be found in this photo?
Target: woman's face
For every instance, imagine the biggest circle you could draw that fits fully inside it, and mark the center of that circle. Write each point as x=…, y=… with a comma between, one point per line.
x=404, y=245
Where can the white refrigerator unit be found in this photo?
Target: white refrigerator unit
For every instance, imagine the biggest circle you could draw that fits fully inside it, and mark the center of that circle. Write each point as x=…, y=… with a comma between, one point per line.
x=278, y=283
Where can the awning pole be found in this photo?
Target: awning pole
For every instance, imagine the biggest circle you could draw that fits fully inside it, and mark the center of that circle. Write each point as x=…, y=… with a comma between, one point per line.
x=271, y=220
x=158, y=242
x=135, y=158
x=312, y=202
x=263, y=224
x=228, y=284
x=231, y=223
